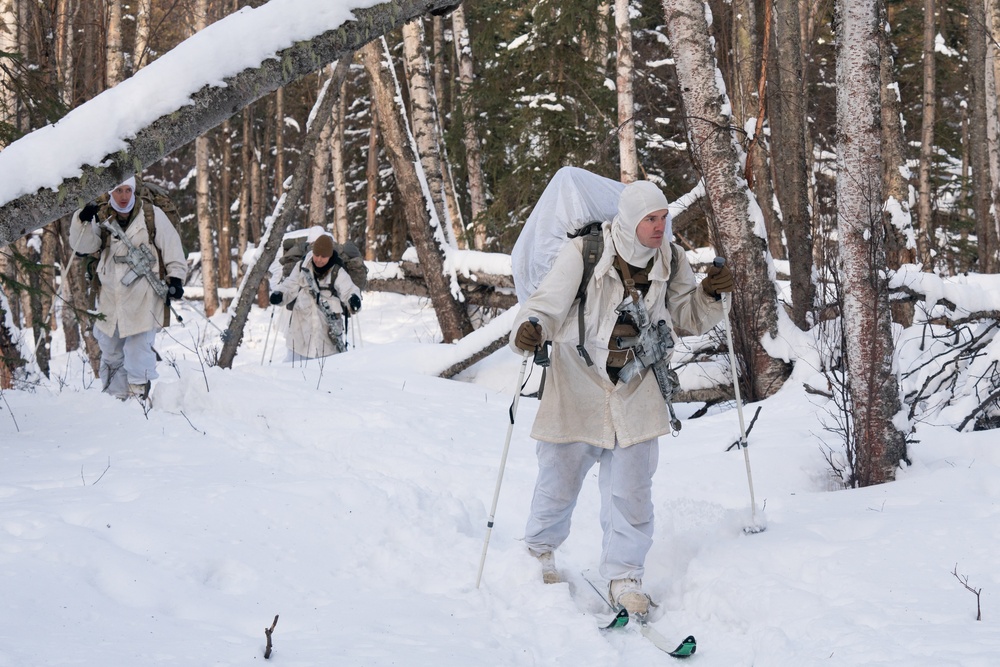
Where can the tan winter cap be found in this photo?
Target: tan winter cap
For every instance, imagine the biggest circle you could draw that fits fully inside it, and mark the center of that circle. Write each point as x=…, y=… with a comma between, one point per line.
x=323, y=246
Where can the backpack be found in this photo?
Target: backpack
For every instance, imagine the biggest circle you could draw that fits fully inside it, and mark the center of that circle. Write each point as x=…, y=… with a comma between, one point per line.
x=573, y=205
x=345, y=255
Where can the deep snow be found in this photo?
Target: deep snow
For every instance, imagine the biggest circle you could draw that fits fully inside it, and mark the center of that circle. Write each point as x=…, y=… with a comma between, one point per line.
x=351, y=497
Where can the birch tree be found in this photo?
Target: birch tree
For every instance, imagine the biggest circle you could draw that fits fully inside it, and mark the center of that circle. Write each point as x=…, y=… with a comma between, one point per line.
x=425, y=126
x=424, y=226
x=928, y=103
x=470, y=136
x=143, y=24
x=206, y=241
x=873, y=389
x=114, y=62
x=628, y=157
x=982, y=192
x=739, y=227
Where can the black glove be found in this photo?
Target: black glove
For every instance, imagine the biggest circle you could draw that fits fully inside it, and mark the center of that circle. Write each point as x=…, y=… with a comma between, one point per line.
x=355, y=303
x=718, y=279
x=276, y=298
x=89, y=212
x=175, y=289
x=528, y=337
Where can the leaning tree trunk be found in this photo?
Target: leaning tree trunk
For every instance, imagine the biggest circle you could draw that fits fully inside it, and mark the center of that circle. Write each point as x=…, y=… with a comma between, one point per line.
x=205, y=109
x=425, y=229
x=425, y=125
x=283, y=216
x=628, y=157
x=739, y=228
x=867, y=327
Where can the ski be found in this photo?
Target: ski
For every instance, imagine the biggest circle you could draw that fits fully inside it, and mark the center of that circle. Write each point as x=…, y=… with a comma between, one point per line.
x=685, y=649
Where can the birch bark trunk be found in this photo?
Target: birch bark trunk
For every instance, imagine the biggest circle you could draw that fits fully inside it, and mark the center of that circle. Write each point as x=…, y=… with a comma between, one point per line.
x=628, y=158
x=739, y=226
x=877, y=444
x=470, y=137
x=203, y=207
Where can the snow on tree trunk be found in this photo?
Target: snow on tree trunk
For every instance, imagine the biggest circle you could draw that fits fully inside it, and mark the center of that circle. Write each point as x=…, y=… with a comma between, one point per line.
x=739, y=225
x=629, y=159
x=371, y=187
x=208, y=108
x=924, y=210
x=320, y=177
x=867, y=336
x=786, y=103
x=421, y=218
x=425, y=125
x=470, y=137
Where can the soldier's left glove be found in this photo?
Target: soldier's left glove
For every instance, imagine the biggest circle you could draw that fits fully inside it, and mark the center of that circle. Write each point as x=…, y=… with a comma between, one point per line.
x=718, y=279
x=355, y=303
x=175, y=289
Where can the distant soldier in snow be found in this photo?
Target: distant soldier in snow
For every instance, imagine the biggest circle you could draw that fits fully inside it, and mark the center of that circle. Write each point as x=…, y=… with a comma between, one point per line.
x=134, y=304
x=588, y=414
x=317, y=292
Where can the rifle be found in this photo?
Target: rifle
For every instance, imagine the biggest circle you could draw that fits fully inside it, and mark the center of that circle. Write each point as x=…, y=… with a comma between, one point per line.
x=334, y=326
x=141, y=261
x=651, y=349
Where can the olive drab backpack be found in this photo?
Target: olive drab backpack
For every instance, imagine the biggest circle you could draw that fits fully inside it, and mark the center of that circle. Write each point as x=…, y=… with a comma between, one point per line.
x=345, y=255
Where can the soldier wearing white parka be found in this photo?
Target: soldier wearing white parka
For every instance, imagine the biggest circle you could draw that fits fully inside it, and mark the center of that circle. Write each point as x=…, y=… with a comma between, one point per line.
x=132, y=311
x=587, y=415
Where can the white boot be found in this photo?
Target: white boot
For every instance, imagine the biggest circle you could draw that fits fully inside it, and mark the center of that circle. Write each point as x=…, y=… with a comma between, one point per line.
x=628, y=593
x=550, y=575
x=140, y=391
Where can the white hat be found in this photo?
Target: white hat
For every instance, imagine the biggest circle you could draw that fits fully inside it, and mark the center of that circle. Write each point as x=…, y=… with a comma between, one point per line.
x=637, y=200
x=130, y=181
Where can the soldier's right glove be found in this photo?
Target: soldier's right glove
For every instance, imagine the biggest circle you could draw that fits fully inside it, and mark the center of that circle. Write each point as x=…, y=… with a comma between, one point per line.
x=718, y=279
x=89, y=212
x=276, y=298
x=528, y=337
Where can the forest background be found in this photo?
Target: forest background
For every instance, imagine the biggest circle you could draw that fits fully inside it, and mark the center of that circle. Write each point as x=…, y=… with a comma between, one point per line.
x=502, y=94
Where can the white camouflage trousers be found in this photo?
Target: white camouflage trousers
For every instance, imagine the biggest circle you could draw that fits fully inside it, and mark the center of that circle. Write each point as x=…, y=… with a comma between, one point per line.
x=625, y=480
x=124, y=361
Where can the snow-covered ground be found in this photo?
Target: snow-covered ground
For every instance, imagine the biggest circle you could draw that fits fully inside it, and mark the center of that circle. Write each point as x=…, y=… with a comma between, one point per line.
x=351, y=497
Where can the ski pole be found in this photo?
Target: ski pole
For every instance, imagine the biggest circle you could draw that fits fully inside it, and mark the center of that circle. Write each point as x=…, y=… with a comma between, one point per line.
x=263, y=352
x=503, y=463
x=754, y=526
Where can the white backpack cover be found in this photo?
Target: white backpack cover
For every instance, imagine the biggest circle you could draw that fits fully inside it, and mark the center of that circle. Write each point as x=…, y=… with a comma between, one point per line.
x=572, y=198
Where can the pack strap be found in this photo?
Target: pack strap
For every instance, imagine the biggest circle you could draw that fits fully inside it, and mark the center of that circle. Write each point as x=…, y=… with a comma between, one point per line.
x=593, y=247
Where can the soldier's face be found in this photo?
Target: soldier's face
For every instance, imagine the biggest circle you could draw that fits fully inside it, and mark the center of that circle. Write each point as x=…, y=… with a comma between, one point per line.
x=650, y=229
x=122, y=195
x=320, y=261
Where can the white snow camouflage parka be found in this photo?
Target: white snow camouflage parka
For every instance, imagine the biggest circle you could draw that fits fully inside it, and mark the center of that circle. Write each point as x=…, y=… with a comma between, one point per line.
x=580, y=403
x=135, y=308
x=306, y=331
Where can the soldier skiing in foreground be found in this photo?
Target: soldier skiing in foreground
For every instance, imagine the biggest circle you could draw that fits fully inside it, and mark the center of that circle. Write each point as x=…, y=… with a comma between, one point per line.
x=593, y=412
